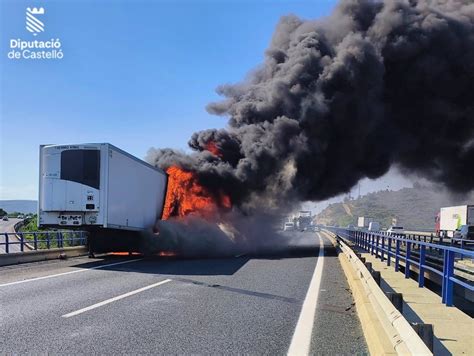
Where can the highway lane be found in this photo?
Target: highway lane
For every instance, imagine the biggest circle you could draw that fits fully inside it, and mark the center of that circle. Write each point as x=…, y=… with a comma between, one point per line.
x=8, y=226
x=249, y=304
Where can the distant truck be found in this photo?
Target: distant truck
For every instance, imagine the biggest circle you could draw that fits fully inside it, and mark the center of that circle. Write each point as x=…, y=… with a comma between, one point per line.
x=453, y=217
x=99, y=188
x=304, y=220
x=374, y=226
x=363, y=222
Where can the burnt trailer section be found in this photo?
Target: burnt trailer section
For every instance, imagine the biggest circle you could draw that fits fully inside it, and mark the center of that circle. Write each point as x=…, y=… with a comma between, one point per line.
x=102, y=189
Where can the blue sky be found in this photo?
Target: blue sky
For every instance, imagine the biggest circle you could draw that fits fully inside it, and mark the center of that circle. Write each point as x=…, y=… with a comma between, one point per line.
x=135, y=73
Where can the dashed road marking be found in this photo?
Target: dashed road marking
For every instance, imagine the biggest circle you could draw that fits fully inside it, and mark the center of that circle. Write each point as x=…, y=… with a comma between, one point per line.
x=66, y=273
x=114, y=299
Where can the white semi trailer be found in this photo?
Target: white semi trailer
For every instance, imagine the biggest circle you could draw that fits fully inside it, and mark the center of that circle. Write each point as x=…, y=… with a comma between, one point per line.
x=453, y=217
x=363, y=222
x=98, y=187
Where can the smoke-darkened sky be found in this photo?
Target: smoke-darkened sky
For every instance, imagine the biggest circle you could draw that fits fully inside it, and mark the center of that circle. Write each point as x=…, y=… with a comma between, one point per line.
x=339, y=99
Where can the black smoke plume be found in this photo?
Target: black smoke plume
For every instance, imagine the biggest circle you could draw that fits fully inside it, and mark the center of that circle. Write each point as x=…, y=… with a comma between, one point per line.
x=374, y=85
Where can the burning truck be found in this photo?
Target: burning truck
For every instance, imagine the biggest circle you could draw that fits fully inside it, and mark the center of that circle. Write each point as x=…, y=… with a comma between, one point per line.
x=113, y=195
x=334, y=101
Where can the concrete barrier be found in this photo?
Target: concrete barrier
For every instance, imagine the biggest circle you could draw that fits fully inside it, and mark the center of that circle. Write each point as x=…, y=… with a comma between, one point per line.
x=42, y=255
x=405, y=340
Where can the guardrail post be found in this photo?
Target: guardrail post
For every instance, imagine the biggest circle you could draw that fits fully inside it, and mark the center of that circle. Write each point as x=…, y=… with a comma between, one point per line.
x=22, y=242
x=421, y=275
x=35, y=241
x=407, y=258
x=397, y=255
x=377, y=246
x=382, y=249
x=448, y=272
x=389, y=250
x=48, y=242
x=7, y=247
x=443, y=284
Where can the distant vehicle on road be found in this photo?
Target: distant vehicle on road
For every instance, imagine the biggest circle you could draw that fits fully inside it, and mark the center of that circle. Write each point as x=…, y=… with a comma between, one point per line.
x=465, y=232
x=20, y=216
x=396, y=230
x=316, y=228
x=451, y=218
x=5, y=218
x=303, y=220
x=374, y=226
x=363, y=222
x=289, y=226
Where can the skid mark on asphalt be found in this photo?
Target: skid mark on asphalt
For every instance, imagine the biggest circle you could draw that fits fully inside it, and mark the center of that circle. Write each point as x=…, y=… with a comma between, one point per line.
x=241, y=291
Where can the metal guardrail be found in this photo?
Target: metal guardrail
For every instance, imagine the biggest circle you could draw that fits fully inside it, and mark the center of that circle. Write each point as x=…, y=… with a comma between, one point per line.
x=388, y=247
x=40, y=240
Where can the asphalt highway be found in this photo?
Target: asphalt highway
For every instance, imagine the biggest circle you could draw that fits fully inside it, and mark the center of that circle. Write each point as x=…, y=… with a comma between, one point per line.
x=8, y=226
x=123, y=305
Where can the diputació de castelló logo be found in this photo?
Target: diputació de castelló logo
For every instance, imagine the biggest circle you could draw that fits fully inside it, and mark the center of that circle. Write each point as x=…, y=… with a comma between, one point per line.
x=35, y=49
x=33, y=23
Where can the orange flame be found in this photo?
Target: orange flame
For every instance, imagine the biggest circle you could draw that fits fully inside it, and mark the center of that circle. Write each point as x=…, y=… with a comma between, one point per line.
x=212, y=147
x=186, y=196
x=167, y=254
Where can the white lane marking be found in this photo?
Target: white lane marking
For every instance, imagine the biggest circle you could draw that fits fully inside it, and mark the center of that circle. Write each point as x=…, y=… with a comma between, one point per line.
x=301, y=341
x=70, y=272
x=114, y=299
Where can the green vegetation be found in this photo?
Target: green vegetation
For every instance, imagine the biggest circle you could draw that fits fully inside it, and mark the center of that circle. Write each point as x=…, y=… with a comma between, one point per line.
x=414, y=208
x=58, y=238
x=2, y=213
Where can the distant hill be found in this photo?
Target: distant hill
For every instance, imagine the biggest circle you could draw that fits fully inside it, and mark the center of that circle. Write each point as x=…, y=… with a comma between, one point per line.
x=414, y=208
x=21, y=206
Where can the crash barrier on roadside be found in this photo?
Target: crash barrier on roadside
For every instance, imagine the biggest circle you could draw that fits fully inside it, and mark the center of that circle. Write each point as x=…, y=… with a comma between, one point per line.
x=41, y=240
x=388, y=247
x=402, y=336
x=42, y=255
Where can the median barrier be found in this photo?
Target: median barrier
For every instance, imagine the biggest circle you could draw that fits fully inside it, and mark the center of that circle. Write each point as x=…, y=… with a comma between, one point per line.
x=42, y=255
x=15, y=229
x=404, y=339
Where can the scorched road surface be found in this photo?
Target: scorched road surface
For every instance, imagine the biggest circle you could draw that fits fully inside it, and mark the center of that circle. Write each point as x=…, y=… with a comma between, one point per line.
x=245, y=305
